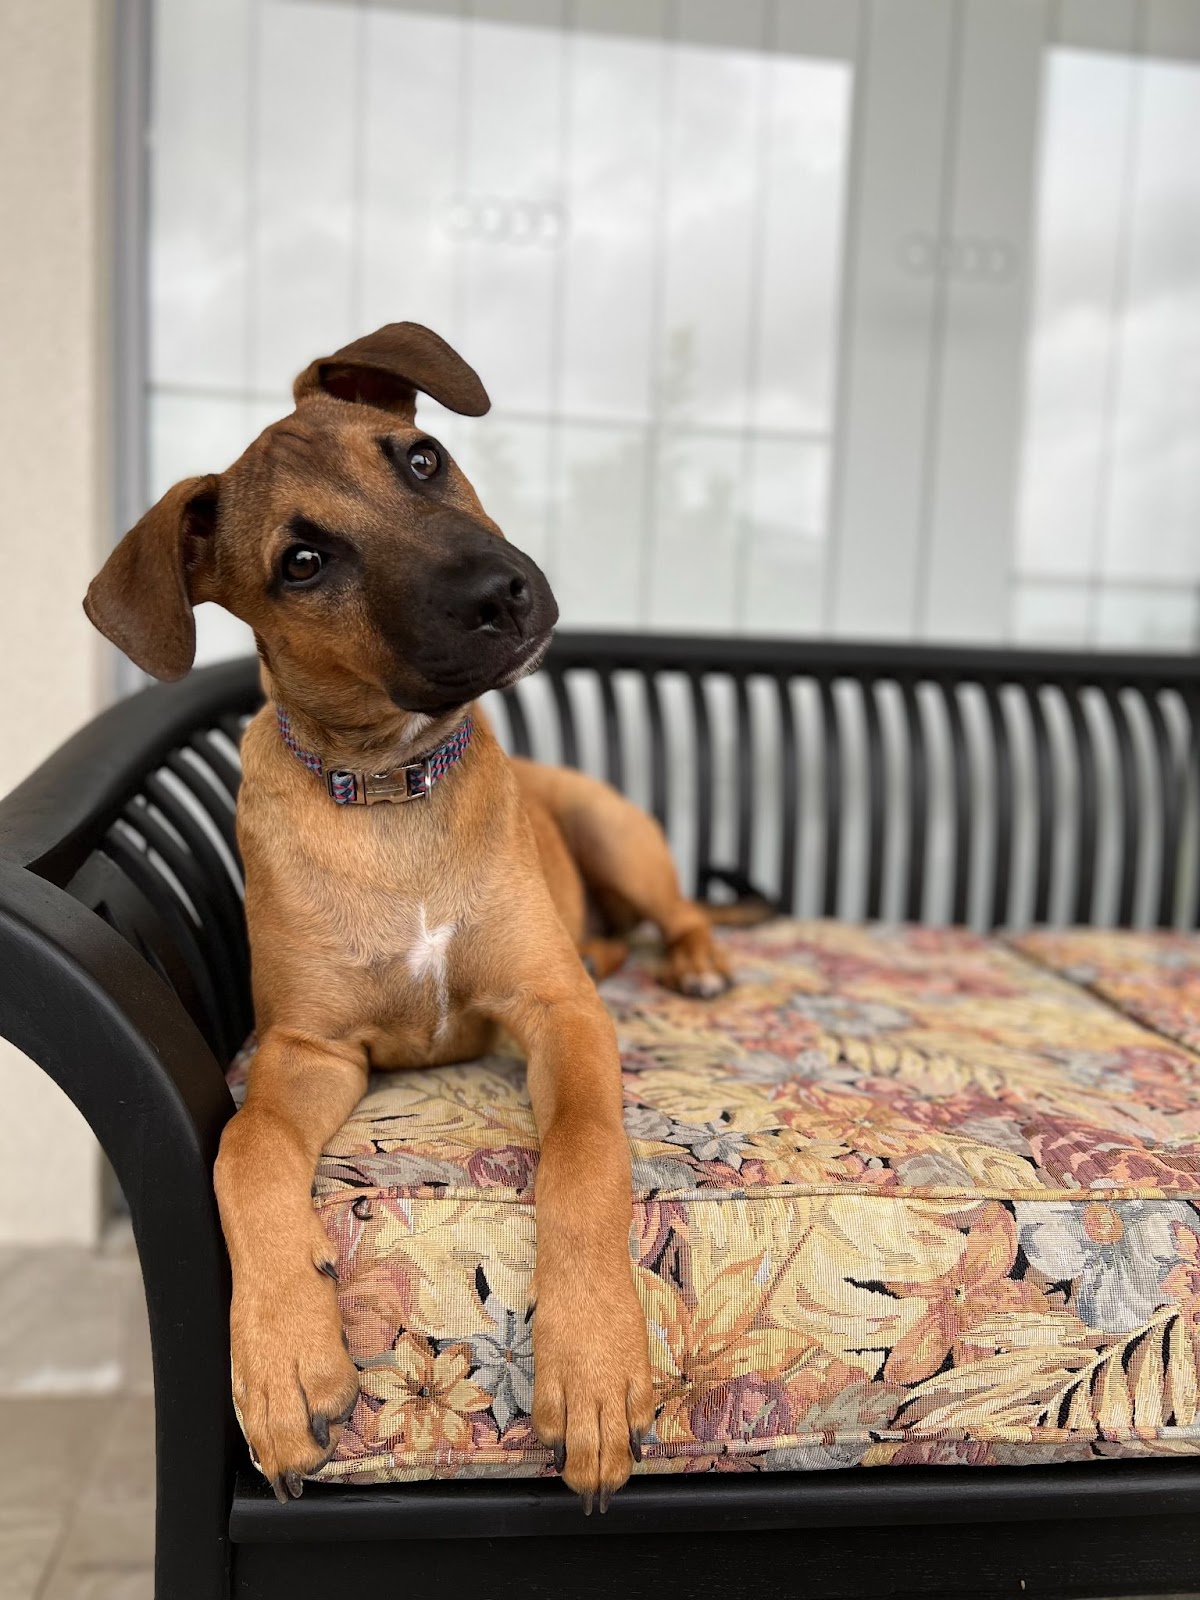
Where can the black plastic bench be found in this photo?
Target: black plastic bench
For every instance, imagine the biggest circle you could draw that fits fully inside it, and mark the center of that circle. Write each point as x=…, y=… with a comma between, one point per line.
x=986, y=786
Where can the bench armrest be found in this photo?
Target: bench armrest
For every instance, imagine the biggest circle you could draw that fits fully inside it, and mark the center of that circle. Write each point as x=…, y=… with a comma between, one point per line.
x=86, y=1006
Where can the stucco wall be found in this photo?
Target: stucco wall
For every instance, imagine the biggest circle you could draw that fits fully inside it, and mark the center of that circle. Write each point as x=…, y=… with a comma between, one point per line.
x=54, y=513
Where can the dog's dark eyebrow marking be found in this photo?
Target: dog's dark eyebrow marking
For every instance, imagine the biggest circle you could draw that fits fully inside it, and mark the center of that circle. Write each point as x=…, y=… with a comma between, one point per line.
x=389, y=449
x=305, y=531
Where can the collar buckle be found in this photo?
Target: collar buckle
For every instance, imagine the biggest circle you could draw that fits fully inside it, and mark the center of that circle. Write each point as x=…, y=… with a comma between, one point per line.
x=398, y=786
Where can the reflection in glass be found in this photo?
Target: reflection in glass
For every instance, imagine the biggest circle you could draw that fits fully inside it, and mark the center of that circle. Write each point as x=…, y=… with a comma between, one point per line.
x=1110, y=487
x=650, y=291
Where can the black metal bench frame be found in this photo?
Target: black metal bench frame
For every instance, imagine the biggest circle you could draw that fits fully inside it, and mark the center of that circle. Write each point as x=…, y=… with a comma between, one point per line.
x=124, y=974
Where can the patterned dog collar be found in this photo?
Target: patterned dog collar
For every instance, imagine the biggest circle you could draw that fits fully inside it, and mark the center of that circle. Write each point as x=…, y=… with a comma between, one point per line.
x=413, y=781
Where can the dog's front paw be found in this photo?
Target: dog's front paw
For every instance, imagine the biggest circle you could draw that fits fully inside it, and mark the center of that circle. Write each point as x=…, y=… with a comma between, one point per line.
x=593, y=1397
x=293, y=1381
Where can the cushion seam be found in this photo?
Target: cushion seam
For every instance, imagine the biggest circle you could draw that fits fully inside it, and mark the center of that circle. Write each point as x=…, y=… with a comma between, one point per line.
x=1037, y=963
x=795, y=1192
x=1039, y=1436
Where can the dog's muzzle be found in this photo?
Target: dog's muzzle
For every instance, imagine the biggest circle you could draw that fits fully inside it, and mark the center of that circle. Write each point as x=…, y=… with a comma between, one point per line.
x=478, y=620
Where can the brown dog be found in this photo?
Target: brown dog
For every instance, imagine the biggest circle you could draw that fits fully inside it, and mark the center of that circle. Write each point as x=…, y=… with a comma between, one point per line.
x=383, y=600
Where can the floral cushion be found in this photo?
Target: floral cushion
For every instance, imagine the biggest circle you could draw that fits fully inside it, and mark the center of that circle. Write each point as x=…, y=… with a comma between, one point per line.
x=1153, y=976
x=903, y=1195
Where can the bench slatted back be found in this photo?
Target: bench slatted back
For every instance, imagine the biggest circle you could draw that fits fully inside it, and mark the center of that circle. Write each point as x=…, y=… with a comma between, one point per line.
x=985, y=787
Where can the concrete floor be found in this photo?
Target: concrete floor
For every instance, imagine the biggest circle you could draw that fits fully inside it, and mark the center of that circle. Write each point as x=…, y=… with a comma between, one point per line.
x=77, y=1426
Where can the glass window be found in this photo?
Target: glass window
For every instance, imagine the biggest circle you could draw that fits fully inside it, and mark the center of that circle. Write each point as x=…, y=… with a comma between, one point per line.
x=650, y=292
x=1110, y=483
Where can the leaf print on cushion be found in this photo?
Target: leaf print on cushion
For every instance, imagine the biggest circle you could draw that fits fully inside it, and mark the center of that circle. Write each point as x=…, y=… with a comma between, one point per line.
x=842, y=1414
x=1076, y=1155
x=770, y=1067
x=403, y=1169
x=510, y=1166
x=375, y=1305
x=432, y=1251
x=647, y=1123
x=715, y=1141
x=841, y=1014
x=703, y=1096
x=974, y=1291
x=1139, y=1382
x=781, y=1155
x=833, y=1282
x=1008, y=1393
x=660, y=1174
x=932, y=1169
x=1182, y=1283
x=708, y=1325
x=860, y=1122
x=749, y=1407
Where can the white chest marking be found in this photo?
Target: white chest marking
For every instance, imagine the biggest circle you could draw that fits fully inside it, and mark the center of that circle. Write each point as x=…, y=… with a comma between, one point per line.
x=428, y=959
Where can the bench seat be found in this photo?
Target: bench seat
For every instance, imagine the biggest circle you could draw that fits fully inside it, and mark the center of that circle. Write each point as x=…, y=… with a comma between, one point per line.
x=904, y=1196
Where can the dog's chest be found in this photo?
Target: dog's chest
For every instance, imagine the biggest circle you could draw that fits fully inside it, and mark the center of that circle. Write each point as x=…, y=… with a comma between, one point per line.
x=388, y=916
x=427, y=961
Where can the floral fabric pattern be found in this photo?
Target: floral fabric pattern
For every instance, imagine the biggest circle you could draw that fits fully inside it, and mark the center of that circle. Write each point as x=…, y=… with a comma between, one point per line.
x=1152, y=976
x=904, y=1195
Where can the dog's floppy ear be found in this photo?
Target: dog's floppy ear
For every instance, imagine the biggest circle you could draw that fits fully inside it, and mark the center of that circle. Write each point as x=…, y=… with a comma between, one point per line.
x=387, y=369
x=143, y=595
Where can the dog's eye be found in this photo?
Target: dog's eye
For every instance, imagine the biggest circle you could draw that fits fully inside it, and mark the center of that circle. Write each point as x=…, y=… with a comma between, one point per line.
x=424, y=461
x=301, y=564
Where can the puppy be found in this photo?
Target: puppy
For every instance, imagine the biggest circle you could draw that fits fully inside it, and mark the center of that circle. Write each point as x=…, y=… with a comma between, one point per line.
x=409, y=889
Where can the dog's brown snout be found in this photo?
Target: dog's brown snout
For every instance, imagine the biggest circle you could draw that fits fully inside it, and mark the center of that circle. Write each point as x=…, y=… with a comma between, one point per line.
x=498, y=600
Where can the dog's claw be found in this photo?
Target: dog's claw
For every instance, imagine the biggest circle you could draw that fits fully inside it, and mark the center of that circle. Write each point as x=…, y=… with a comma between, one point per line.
x=589, y=1502
x=606, y=1495
x=560, y=1457
x=295, y=1485
x=705, y=985
x=635, y=1445
x=330, y=1271
x=278, y=1490
x=320, y=1422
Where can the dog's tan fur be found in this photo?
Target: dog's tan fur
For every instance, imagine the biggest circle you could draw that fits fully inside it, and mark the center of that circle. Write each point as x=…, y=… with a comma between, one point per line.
x=403, y=935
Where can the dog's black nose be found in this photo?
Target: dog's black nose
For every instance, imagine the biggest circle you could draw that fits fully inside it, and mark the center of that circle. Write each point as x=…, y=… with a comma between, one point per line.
x=496, y=600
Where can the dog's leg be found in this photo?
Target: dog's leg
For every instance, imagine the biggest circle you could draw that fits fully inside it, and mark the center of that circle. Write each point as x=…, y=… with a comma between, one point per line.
x=292, y=1377
x=625, y=855
x=602, y=957
x=593, y=1398
x=624, y=858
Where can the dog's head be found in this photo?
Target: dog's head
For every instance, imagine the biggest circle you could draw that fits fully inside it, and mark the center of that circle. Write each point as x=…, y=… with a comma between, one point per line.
x=349, y=541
